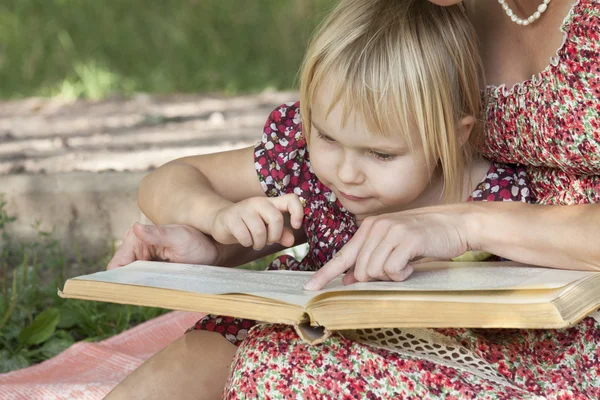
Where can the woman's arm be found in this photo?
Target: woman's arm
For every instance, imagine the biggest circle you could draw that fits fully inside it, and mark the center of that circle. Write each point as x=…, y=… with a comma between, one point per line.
x=552, y=236
x=191, y=190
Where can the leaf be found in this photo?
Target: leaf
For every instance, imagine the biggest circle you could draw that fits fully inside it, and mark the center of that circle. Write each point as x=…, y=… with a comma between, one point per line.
x=62, y=334
x=68, y=318
x=55, y=345
x=10, y=362
x=10, y=332
x=42, y=328
x=471, y=256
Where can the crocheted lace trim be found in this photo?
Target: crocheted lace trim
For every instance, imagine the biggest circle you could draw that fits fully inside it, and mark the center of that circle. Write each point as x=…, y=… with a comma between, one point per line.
x=431, y=346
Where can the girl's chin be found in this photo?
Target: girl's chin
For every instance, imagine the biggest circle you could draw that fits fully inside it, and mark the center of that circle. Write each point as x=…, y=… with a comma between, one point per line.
x=359, y=209
x=363, y=211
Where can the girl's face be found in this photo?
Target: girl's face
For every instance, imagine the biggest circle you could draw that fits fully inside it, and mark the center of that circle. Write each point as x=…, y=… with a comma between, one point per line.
x=369, y=173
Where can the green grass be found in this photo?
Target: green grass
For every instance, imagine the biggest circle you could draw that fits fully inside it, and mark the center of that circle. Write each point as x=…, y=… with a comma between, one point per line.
x=36, y=324
x=93, y=49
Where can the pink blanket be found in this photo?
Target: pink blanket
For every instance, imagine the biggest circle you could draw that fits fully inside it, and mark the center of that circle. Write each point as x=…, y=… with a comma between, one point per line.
x=90, y=370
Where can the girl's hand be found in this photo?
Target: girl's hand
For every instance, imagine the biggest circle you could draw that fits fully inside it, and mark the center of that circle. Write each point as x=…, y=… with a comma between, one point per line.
x=258, y=221
x=384, y=246
x=173, y=243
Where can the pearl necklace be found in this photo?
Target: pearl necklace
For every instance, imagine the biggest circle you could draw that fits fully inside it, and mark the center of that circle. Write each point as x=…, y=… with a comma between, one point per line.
x=534, y=17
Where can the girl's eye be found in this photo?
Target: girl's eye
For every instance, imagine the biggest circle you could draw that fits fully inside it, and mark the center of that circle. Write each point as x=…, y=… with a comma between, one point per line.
x=325, y=138
x=382, y=156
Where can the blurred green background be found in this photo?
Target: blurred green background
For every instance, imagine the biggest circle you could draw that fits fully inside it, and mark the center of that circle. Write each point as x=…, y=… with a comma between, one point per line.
x=94, y=49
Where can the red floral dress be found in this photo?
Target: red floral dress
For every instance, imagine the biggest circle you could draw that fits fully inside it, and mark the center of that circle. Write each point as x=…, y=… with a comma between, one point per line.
x=549, y=124
x=283, y=166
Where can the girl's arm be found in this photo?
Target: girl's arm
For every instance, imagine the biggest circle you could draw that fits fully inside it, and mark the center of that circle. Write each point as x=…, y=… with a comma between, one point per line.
x=191, y=190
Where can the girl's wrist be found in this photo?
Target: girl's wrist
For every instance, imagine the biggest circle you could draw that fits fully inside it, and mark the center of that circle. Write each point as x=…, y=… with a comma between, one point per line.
x=202, y=214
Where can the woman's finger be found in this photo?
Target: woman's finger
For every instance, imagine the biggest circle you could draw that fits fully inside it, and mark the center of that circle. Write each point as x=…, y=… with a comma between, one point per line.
x=376, y=261
x=165, y=236
x=341, y=262
x=349, y=278
x=364, y=270
x=131, y=250
x=397, y=266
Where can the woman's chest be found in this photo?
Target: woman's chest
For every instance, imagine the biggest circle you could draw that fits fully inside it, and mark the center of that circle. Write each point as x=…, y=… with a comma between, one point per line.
x=512, y=53
x=552, y=118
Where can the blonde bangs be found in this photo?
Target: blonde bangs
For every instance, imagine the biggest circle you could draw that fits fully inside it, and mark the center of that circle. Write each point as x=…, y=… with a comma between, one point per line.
x=408, y=68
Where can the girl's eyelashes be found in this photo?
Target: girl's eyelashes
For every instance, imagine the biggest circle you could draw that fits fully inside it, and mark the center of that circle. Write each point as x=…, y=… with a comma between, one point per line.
x=378, y=155
x=324, y=137
x=382, y=156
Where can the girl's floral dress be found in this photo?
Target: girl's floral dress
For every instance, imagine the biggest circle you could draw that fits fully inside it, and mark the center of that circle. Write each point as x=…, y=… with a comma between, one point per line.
x=550, y=125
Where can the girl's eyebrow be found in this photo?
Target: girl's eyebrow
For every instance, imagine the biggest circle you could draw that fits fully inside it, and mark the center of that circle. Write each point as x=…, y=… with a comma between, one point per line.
x=387, y=149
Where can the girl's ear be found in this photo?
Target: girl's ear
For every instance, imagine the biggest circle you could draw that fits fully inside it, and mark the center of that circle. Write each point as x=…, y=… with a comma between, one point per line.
x=465, y=127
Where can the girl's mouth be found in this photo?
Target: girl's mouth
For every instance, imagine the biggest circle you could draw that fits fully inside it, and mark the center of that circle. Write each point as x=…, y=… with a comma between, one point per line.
x=351, y=197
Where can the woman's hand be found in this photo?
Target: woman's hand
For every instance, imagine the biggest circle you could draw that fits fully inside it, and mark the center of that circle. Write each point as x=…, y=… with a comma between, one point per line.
x=258, y=221
x=384, y=246
x=173, y=243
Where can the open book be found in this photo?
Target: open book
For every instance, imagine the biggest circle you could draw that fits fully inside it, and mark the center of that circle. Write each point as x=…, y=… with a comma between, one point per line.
x=437, y=294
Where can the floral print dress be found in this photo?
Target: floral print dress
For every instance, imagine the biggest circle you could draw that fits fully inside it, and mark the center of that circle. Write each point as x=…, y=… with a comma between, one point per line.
x=550, y=125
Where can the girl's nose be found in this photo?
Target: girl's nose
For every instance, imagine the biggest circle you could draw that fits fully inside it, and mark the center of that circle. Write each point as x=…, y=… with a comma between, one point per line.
x=349, y=171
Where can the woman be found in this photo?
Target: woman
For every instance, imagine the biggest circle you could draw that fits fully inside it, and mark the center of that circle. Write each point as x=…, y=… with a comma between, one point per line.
x=542, y=109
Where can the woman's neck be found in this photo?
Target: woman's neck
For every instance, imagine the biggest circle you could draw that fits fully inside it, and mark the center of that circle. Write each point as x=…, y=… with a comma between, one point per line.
x=512, y=53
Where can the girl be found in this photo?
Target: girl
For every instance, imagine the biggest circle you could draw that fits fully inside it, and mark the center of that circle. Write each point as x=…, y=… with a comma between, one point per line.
x=389, y=101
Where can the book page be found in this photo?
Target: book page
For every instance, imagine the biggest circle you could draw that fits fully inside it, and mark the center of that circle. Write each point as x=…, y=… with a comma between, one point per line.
x=287, y=286
x=469, y=276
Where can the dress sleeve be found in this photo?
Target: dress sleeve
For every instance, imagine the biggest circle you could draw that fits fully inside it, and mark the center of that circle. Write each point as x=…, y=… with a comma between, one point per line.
x=281, y=157
x=504, y=182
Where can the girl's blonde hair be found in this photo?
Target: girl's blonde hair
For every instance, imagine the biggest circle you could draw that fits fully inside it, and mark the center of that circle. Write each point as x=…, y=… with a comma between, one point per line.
x=403, y=65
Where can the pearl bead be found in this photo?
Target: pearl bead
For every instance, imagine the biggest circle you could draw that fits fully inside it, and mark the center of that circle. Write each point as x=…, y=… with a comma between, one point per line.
x=524, y=21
